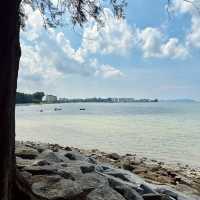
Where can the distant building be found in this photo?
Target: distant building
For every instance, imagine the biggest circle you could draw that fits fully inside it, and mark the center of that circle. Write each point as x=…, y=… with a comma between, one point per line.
x=50, y=98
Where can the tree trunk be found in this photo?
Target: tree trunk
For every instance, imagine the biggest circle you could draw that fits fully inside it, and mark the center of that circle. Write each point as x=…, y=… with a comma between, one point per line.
x=9, y=63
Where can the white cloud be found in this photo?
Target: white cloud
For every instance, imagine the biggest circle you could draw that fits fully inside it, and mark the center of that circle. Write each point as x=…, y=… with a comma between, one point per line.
x=105, y=70
x=153, y=44
x=183, y=7
x=114, y=37
x=150, y=42
x=49, y=55
x=193, y=37
x=108, y=71
x=172, y=48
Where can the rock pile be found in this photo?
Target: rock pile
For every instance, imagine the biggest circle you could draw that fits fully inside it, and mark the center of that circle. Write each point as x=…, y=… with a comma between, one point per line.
x=56, y=173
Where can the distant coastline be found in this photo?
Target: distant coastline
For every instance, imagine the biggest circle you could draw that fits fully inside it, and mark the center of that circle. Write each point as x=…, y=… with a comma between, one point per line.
x=106, y=100
x=40, y=97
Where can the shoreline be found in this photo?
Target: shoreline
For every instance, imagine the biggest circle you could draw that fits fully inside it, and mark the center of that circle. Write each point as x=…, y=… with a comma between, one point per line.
x=183, y=179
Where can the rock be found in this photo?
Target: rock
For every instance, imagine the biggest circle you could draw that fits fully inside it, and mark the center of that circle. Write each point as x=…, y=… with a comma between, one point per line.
x=50, y=156
x=114, y=156
x=152, y=196
x=140, y=170
x=40, y=162
x=65, y=174
x=73, y=155
x=91, y=160
x=127, y=190
x=102, y=168
x=136, y=161
x=168, y=193
x=104, y=193
x=118, y=175
x=121, y=174
x=21, y=163
x=127, y=165
x=146, y=189
x=72, y=171
x=68, y=148
x=41, y=170
x=91, y=181
x=56, y=188
x=41, y=148
x=57, y=173
x=87, y=168
x=26, y=152
x=115, y=182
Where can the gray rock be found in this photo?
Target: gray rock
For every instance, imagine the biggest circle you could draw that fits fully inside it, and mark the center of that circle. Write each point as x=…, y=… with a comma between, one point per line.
x=50, y=156
x=41, y=170
x=121, y=174
x=127, y=190
x=115, y=182
x=87, y=168
x=91, y=181
x=114, y=156
x=40, y=162
x=26, y=152
x=104, y=193
x=118, y=175
x=41, y=147
x=67, y=148
x=61, y=154
x=102, y=168
x=74, y=155
x=56, y=188
x=21, y=163
x=147, y=189
x=71, y=171
x=152, y=196
x=66, y=174
x=91, y=160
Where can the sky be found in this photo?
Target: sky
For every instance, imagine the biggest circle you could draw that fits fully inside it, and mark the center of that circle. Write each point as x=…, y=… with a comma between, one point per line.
x=150, y=54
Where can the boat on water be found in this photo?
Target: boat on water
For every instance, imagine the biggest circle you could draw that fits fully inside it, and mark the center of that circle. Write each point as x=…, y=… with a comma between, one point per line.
x=82, y=108
x=57, y=109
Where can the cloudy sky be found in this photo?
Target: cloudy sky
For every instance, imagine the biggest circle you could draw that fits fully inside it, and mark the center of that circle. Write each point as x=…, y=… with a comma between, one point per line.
x=148, y=55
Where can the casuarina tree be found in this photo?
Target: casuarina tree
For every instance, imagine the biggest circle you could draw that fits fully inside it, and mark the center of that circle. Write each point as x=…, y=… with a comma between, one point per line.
x=12, y=19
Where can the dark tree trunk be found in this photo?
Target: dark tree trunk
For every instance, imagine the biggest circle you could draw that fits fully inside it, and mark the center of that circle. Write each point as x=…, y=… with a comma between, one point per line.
x=9, y=63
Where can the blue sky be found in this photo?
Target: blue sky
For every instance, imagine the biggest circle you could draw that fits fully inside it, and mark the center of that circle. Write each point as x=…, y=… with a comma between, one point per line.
x=149, y=55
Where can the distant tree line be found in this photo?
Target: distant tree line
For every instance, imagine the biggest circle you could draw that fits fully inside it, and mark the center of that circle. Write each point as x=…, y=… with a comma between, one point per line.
x=29, y=98
x=105, y=100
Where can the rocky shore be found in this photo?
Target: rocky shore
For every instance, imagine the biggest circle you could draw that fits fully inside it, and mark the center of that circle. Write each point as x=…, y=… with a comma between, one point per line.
x=52, y=172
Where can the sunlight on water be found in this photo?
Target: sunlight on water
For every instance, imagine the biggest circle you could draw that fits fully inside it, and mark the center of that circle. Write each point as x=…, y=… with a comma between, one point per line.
x=165, y=131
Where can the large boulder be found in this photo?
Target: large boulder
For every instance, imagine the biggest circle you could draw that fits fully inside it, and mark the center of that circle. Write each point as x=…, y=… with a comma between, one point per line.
x=56, y=188
x=50, y=156
x=41, y=170
x=104, y=193
x=127, y=190
x=26, y=152
x=91, y=181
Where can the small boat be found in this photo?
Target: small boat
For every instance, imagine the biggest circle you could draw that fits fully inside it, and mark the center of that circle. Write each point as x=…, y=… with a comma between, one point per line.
x=57, y=109
x=41, y=110
x=82, y=108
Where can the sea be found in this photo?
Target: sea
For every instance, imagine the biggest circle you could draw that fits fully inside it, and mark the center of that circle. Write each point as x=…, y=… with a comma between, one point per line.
x=165, y=131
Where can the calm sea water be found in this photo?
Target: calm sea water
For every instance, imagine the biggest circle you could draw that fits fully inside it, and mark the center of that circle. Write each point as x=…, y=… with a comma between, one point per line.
x=166, y=131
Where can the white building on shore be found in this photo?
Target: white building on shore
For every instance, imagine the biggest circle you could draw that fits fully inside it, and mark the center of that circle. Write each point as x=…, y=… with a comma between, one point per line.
x=50, y=98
